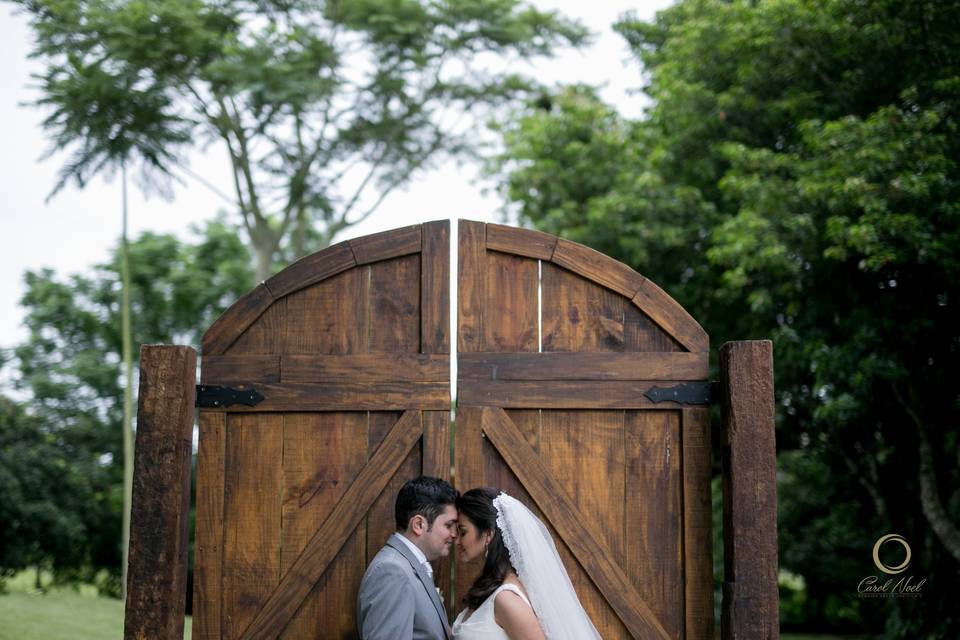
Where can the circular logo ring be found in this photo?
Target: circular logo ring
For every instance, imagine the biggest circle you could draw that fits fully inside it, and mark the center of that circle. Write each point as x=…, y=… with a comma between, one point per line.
x=892, y=537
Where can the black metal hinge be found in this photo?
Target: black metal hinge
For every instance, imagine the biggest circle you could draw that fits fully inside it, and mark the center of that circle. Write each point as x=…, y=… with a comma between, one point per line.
x=211, y=395
x=698, y=393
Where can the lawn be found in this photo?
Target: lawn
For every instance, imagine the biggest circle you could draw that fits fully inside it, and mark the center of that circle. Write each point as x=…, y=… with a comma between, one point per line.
x=60, y=614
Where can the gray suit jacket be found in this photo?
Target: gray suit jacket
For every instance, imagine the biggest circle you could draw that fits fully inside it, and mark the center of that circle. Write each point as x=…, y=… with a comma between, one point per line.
x=398, y=600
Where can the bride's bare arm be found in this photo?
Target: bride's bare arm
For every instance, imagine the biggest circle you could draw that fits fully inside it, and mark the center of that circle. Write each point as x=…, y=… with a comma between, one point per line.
x=516, y=617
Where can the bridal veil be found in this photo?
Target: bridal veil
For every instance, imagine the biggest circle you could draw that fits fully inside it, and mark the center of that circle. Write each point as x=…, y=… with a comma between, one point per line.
x=534, y=556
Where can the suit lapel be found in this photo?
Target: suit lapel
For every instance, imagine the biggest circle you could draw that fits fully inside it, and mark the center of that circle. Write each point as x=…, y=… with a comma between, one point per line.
x=425, y=579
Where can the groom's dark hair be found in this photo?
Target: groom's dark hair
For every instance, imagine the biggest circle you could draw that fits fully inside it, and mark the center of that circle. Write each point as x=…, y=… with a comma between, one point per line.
x=424, y=496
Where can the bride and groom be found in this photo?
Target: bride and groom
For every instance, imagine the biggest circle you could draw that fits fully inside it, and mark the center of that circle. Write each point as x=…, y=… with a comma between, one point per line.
x=523, y=591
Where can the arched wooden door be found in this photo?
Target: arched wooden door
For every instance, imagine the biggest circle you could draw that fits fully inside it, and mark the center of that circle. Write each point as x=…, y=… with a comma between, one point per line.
x=350, y=350
x=560, y=350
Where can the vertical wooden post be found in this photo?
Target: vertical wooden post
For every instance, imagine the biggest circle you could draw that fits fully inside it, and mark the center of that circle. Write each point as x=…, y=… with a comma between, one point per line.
x=157, y=577
x=750, y=600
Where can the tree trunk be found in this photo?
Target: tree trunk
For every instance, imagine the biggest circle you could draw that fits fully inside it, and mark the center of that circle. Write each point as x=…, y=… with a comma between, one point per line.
x=127, y=389
x=933, y=509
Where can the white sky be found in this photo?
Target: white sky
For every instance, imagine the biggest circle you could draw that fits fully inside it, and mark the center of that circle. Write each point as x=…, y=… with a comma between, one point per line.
x=77, y=228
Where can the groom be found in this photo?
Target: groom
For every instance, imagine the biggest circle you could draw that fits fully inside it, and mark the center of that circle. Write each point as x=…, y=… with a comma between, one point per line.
x=398, y=599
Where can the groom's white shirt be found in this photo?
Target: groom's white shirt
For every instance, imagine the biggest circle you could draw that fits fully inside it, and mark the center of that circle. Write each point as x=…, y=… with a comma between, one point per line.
x=414, y=548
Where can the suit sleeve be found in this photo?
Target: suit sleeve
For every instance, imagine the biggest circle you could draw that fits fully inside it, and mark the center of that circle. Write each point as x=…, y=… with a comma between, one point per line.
x=387, y=605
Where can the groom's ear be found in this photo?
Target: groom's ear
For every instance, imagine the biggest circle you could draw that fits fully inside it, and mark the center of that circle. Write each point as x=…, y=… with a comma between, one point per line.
x=418, y=524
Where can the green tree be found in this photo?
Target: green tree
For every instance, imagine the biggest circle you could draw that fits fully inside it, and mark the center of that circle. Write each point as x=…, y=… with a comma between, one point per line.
x=796, y=177
x=70, y=369
x=323, y=108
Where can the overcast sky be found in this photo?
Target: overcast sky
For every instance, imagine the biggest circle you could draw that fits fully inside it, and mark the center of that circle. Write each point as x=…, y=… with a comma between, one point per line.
x=77, y=228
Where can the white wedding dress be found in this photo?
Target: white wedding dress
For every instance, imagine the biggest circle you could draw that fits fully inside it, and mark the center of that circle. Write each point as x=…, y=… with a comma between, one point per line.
x=481, y=624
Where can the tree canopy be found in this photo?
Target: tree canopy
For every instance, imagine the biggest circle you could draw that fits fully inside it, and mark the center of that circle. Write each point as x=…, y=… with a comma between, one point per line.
x=323, y=108
x=60, y=459
x=796, y=177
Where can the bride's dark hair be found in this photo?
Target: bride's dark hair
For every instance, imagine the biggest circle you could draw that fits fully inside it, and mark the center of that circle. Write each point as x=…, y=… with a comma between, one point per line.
x=477, y=506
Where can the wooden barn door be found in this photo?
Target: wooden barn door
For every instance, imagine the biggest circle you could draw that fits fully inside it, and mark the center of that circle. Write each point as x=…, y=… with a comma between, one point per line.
x=558, y=346
x=350, y=350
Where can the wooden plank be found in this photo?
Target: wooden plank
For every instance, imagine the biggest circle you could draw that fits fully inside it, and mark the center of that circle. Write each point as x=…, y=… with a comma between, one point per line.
x=349, y=396
x=580, y=315
x=436, y=463
x=697, y=523
x=235, y=320
x=159, y=534
x=471, y=285
x=583, y=366
x=563, y=394
x=387, y=244
x=597, y=267
x=654, y=516
x=435, y=288
x=394, y=322
x=311, y=270
x=380, y=517
x=254, y=475
x=558, y=507
x=366, y=368
x=521, y=242
x=674, y=319
x=510, y=308
x=208, y=539
x=750, y=598
x=640, y=333
x=468, y=473
x=330, y=317
x=330, y=537
x=240, y=368
x=583, y=452
x=322, y=455
x=264, y=335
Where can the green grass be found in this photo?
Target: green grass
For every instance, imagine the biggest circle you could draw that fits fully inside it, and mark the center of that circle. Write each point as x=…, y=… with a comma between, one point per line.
x=63, y=613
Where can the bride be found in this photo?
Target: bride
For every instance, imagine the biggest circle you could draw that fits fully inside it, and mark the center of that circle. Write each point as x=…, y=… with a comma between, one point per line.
x=523, y=591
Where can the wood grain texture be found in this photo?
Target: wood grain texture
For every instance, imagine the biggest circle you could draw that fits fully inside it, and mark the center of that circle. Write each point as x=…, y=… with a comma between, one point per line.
x=471, y=285
x=366, y=368
x=582, y=366
x=235, y=320
x=640, y=333
x=674, y=319
x=329, y=317
x=208, y=539
x=252, y=510
x=311, y=269
x=580, y=315
x=510, y=307
x=159, y=534
x=387, y=244
x=654, y=518
x=521, y=242
x=349, y=396
x=436, y=463
x=435, y=288
x=380, y=518
x=322, y=455
x=597, y=267
x=698, y=524
x=326, y=543
x=560, y=509
x=583, y=452
x=264, y=335
x=750, y=606
x=469, y=466
x=248, y=369
x=394, y=324
x=563, y=394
